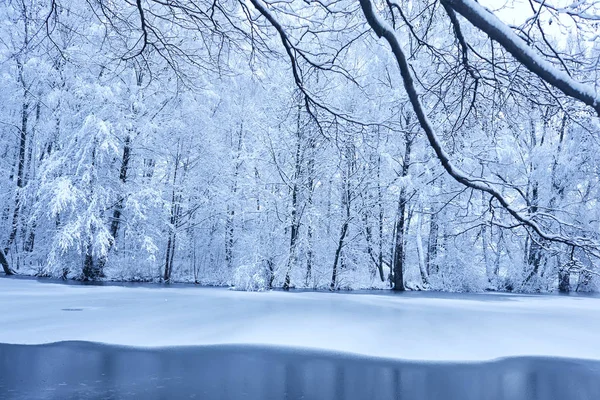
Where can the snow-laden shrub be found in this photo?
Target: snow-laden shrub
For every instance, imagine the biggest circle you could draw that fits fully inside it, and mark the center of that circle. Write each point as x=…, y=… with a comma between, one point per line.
x=458, y=278
x=250, y=277
x=585, y=282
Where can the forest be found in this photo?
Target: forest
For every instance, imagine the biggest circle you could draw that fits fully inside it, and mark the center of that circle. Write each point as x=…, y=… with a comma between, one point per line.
x=448, y=145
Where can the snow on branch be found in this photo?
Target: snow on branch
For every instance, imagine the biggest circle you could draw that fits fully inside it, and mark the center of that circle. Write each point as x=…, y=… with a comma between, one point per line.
x=488, y=23
x=577, y=9
x=383, y=29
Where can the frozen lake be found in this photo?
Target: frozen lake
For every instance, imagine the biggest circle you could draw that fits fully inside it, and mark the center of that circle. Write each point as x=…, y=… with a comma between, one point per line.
x=62, y=341
x=80, y=370
x=415, y=326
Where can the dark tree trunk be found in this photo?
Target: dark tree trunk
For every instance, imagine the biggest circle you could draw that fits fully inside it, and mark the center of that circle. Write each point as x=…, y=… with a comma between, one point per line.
x=559, y=193
x=118, y=210
x=398, y=264
x=380, y=221
x=20, y=163
x=564, y=285
x=229, y=221
x=170, y=256
x=338, y=252
x=346, y=204
x=310, y=228
x=309, y=256
x=292, y=256
x=489, y=268
x=432, y=245
x=373, y=262
x=116, y=219
x=270, y=273
x=4, y=263
x=420, y=251
x=30, y=242
x=30, y=233
x=398, y=279
x=534, y=256
x=22, y=137
x=229, y=236
x=367, y=212
x=173, y=221
x=91, y=270
x=171, y=241
x=498, y=254
x=295, y=217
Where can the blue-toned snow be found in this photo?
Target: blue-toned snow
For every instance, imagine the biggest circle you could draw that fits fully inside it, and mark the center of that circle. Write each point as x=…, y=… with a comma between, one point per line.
x=416, y=326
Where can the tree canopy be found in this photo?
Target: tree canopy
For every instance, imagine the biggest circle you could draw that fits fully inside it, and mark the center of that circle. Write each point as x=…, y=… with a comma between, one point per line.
x=341, y=144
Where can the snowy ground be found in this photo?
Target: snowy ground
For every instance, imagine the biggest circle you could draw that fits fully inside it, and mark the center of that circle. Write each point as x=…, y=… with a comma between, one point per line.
x=415, y=326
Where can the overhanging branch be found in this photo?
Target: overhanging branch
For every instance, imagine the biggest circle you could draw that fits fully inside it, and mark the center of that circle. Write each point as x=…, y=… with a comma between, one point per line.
x=498, y=31
x=384, y=30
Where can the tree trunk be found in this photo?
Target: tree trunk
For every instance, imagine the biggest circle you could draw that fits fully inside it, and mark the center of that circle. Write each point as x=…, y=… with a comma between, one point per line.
x=380, y=221
x=116, y=218
x=346, y=204
x=295, y=218
x=310, y=228
x=373, y=262
x=398, y=264
x=309, y=256
x=534, y=255
x=432, y=245
x=498, y=255
x=29, y=233
x=22, y=138
x=292, y=251
x=270, y=272
x=367, y=212
x=170, y=253
x=92, y=271
x=398, y=280
x=420, y=252
x=20, y=162
x=564, y=285
x=170, y=256
x=229, y=236
x=535, y=250
x=338, y=252
x=229, y=221
x=489, y=268
x=559, y=193
x=4, y=263
x=88, y=266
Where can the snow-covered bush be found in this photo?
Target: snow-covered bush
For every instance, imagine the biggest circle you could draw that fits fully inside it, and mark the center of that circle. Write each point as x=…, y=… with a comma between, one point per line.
x=250, y=277
x=459, y=278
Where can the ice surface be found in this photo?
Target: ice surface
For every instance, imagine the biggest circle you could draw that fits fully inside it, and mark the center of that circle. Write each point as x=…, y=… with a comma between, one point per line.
x=416, y=326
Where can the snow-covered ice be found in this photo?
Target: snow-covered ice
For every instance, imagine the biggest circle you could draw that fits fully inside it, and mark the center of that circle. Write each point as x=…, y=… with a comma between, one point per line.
x=415, y=326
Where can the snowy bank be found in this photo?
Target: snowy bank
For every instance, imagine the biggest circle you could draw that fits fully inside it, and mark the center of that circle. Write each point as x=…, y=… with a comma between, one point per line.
x=416, y=326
